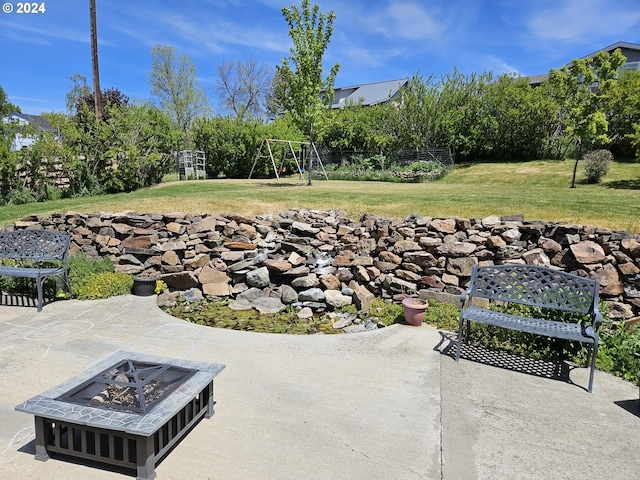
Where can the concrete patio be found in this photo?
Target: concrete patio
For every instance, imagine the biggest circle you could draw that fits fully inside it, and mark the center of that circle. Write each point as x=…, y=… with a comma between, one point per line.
x=387, y=404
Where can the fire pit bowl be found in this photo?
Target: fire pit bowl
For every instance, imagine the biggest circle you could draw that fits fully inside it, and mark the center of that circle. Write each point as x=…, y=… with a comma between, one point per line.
x=128, y=411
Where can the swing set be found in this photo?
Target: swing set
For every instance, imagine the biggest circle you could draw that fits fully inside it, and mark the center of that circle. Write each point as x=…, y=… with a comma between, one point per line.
x=301, y=159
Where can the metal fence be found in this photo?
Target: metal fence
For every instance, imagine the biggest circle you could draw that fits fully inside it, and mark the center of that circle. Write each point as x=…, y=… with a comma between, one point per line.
x=386, y=160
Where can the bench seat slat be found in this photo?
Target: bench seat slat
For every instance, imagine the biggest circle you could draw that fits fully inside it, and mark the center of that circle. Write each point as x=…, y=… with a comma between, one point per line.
x=548, y=328
x=30, y=272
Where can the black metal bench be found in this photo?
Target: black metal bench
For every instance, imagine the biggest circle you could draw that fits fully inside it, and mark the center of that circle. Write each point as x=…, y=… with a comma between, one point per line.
x=38, y=254
x=534, y=286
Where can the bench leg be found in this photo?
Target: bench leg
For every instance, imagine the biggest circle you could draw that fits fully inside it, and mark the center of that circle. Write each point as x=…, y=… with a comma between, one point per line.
x=594, y=354
x=66, y=282
x=39, y=286
x=460, y=334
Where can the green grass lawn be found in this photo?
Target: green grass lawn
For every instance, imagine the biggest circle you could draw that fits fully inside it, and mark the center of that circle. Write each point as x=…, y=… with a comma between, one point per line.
x=539, y=190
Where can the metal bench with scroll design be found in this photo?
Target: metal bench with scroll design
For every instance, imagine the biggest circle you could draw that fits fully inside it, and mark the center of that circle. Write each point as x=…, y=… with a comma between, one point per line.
x=537, y=287
x=37, y=254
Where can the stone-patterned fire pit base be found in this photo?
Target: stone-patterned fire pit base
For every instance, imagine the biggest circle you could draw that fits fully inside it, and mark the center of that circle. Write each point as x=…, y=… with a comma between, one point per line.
x=131, y=441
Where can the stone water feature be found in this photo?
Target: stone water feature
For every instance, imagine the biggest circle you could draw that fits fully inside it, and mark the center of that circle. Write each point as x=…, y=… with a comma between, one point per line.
x=320, y=260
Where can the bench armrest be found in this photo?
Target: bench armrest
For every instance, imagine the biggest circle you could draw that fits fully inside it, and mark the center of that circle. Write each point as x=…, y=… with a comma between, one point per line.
x=597, y=318
x=463, y=297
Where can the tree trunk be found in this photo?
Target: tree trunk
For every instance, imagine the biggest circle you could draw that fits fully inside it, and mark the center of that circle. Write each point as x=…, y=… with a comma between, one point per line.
x=575, y=166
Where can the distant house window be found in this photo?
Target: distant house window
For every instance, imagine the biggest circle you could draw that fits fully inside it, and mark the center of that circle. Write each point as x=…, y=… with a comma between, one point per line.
x=631, y=66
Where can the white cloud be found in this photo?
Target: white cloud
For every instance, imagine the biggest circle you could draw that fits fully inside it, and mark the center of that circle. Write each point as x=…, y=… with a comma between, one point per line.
x=43, y=35
x=499, y=67
x=370, y=58
x=202, y=36
x=577, y=21
x=408, y=20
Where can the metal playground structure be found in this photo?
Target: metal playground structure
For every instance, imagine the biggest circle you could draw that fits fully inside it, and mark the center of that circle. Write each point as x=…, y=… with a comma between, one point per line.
x=304, y=157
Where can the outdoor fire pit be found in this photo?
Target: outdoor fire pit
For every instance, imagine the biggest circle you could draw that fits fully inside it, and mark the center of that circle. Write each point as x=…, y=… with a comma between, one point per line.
x=128, y=411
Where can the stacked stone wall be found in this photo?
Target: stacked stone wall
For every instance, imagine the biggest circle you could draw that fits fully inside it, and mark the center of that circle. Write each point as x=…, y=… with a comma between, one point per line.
x=322, y=260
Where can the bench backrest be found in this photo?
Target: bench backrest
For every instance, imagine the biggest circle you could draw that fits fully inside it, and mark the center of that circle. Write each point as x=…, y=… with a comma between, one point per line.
x=34, y=244
x=535, y=286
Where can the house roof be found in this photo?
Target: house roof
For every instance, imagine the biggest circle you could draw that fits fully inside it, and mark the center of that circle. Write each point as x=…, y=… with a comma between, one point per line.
x=40, y=122
x=630, y=50
x=368, y=94
x=621, y=45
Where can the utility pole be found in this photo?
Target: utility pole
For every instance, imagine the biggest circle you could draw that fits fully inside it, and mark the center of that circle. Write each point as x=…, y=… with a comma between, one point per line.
x=94, y=60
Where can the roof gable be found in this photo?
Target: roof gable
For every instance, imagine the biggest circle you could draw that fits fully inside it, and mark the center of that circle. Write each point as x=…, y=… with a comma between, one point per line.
x=40, y=122
x=368, y=94
x=629, y=50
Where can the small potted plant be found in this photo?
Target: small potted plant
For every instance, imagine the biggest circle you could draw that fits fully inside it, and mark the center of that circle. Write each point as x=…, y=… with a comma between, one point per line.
x=414, y=310
x=144, y=284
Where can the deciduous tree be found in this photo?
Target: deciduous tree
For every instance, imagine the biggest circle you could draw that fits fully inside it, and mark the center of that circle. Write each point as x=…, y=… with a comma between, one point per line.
x=242, y=88
x=579, y=88
x=301, y=73
x=175, y=88
x=623, y=111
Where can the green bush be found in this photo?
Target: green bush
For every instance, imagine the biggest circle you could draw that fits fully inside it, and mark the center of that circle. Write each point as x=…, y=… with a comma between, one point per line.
x=231, y=146
x=103, y=285
x=363, y=168
x=82, y=268
x=596, y=165
x=443, y=315
x=422, y=171
x=387, y=312
x=20, y=196
x=619, y=351
x=94, y=277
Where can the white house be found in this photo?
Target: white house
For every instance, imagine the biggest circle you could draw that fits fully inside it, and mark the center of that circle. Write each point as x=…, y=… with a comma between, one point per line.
x=368, y=94
x=22, y=139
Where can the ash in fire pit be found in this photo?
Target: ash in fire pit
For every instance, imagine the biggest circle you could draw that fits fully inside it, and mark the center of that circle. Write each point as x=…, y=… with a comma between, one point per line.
x=130, y=385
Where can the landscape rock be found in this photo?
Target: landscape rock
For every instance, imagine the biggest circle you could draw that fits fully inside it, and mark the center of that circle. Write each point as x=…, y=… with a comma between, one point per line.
x=192, y=295
x=259, y=277
x=251, y=294
x=288, y=295
x=240, y=304
x=210, y=275
x=278, y=255
x=305, y=313
x=336, y=299
x=268, y=305
x=536, y=257
x=311, y=295
x=587, y=252
x=218, y=289
x=307, y=281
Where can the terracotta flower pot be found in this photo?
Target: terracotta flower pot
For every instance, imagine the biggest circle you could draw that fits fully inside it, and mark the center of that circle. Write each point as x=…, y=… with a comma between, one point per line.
x=414, y=310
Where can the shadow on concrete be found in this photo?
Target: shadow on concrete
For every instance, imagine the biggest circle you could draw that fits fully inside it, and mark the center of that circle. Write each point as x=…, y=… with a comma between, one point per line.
x=631, y=406
x=20, y=300
x=29, y=448
x=554, y=370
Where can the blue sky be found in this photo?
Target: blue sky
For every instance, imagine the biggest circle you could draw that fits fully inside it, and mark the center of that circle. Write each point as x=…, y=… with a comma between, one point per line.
x=373, y=40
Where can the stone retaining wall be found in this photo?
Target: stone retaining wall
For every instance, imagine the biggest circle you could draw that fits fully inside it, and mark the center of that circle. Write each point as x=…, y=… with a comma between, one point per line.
x=323, y=259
